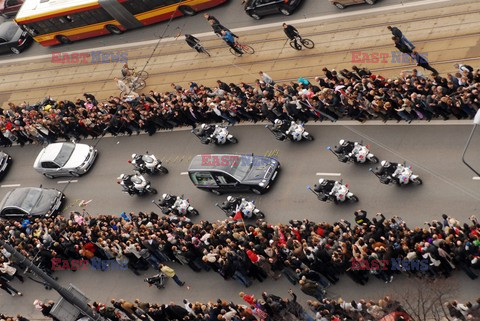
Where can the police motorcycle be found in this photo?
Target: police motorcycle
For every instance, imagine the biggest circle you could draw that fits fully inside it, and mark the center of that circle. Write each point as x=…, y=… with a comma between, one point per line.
x=292, y=131
x=214, y=134
x=396, y=173
x=330, y=190
x=148, y=164
x=177, y=204
x=135, y=184
x=348, y=151
x=247, y=208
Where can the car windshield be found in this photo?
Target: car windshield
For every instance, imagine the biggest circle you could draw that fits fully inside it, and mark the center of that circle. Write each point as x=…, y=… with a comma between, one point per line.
x=240, y=170
x=31, y=199
x=8, y=30
x=64, y=154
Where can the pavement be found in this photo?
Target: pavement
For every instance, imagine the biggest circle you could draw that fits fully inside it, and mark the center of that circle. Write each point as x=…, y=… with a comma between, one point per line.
x=446, y=32
x=433, y=152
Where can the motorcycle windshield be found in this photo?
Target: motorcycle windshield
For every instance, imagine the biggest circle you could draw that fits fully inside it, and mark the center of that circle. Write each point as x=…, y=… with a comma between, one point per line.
x=136, y=180
x=147, y=159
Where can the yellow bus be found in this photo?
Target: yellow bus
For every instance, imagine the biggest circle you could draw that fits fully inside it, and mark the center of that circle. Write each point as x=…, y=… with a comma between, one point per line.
x=52, y=22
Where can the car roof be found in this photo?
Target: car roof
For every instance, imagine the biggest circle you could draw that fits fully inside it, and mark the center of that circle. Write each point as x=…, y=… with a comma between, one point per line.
x=49, y=153
x=24, y=198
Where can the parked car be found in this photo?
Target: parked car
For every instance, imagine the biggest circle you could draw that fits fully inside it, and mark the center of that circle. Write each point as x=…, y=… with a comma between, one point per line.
x=341, y=4
x=260, y=8
x=31, y=201
x=13, y=39
x=65, y=159
x=9, y=8
x=219, y=173
x=5, y=161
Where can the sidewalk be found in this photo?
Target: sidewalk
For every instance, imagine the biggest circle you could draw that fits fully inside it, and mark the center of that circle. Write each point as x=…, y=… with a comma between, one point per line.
x=449, y=34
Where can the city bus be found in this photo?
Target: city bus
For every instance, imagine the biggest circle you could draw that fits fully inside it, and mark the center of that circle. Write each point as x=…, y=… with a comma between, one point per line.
x=52, y=22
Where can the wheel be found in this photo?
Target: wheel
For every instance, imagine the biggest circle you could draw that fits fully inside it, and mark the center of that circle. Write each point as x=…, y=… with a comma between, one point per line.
x=15, y=50
x=195, y=212
x=309, y=138
x=370, y=2
x=205, y=51
x=234, y=140
x=233, y=52
x=418, y=181
x=63, y=39
x=354, y=198
x=295, y=45
x=113, y=29
x=75, y=174
x=260, y=215
x=255, y=16
x=163, y=170
x=187, y=11
x=307, y=43
x=285, y=12
x=48, y=176
x=140, y=84
x=216, y=192
x=374, y=159
x=248, y=49
x=142, y=75
x=339, y=5
x=256, y=191
x=153, y=191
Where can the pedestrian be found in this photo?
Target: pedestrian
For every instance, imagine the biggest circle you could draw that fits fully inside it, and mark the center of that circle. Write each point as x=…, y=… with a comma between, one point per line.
x=169, y=272
x=361, y=217
x=401, y=46
x=266, y=78
x=121, y=85
x=8, y=288
x=423, y=62
x=397, y=33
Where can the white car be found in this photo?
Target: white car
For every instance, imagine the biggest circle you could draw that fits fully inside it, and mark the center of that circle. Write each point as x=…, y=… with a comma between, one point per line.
x=65, y=159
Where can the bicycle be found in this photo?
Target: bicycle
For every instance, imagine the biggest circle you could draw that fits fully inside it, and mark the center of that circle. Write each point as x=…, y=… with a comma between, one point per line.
x=244, y=48
x=135, y=85
x=200, y=48
x=299, y=41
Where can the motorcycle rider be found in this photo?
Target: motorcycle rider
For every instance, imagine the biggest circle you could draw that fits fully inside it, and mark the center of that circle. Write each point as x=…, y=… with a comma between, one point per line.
x=324, y=187
x=345, y=147
x=205, y=131
x=280, y=127
x=231, y=204
x=138, y=161
x=389, y=171
x=336, y=187
x=127, y=183
x=167, y=200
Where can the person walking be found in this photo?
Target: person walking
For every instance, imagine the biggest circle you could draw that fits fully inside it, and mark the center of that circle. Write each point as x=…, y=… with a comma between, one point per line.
x=169, y=272
x=401, y=46
x=423, y=62
x=8, y=288
x=397, y=33
x=266, y=79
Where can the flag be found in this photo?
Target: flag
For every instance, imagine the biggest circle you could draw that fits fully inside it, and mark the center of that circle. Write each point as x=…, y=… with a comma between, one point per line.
x=125, y=217
x=238, y=216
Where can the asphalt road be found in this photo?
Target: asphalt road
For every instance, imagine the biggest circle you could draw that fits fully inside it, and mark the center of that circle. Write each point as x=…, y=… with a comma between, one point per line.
x=230, y=14
x=433, y=151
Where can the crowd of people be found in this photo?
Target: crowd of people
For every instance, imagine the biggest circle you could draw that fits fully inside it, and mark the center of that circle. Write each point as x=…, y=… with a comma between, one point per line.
x=348, y=94
x=313, y=255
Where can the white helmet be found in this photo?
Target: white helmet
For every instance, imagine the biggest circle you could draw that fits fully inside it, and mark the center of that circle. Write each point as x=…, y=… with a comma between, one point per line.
x=230, y=198
x=216, y=126
x=341, y=142
x=385, y=163
x=122, y=176
x=321, y=181
x=292, y=123
x=134, y=155
x=356, y=144
x=203, y=126
x=164, y=196
x=278, y=121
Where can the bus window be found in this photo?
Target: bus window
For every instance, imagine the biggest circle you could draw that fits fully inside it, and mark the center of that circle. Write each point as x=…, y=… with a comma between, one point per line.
x=137, y=6
x=162, y=3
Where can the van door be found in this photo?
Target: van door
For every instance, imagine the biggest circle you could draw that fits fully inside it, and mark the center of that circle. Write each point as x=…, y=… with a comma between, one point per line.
x=226, y=182
x=203, y=180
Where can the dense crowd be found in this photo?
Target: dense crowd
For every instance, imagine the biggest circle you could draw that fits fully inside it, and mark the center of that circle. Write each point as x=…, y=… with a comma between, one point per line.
x=357, y=94
x=310, y=254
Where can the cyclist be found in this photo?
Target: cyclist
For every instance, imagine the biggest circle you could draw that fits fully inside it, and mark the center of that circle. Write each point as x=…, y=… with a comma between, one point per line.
x=292, y=33
x=127, y=72
x=228, y=37
x=193, y=42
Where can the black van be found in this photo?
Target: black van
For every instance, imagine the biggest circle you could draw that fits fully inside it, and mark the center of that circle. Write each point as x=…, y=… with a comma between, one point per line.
x=260, y=8
x=220, y=173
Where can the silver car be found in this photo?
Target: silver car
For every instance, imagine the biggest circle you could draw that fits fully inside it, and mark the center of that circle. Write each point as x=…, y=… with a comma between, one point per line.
x=65, y=159
x=31, y=201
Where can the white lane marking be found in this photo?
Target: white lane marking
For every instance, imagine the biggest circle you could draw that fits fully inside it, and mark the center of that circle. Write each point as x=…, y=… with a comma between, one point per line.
x=66, y=182
x=476, y=178
x=184, y=173
x=329, y=174
x=10, y=185
x=249, y=28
